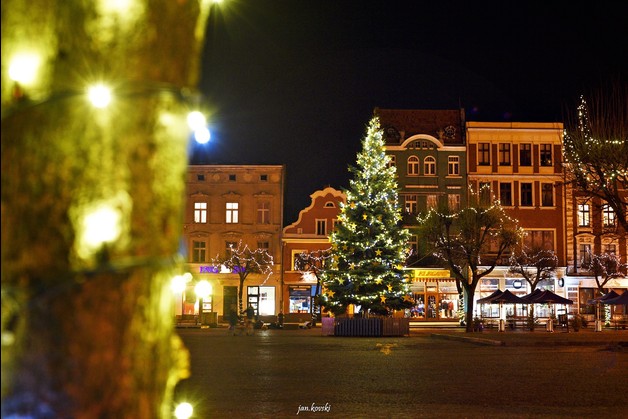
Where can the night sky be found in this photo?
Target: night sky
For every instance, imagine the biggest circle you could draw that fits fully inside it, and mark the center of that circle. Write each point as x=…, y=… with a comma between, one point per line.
x=295, y=82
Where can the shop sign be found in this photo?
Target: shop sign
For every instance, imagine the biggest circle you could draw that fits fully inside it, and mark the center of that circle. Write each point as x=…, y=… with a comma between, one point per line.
x=430, y=273
x=218, y=270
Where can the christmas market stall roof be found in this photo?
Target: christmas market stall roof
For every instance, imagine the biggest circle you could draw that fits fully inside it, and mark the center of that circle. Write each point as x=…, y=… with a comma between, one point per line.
x=622, y=299
x=609, y=295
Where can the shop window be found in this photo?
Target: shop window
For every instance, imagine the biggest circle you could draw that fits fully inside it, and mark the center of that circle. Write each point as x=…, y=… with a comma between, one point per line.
x=300, y=299
x=262, y=299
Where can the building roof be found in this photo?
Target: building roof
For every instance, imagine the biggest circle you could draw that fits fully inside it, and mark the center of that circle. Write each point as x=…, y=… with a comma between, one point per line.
x=447, y=126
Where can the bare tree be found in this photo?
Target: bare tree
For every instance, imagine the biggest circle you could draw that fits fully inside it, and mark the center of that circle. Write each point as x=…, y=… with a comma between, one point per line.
x=244, y=261
x=470, y=243
x=603, y=267
x=92, y=202
x=596, y=147
x=534, y=265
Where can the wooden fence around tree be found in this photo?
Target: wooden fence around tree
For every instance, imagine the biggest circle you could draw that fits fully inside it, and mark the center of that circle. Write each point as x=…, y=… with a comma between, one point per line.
x=378, y=326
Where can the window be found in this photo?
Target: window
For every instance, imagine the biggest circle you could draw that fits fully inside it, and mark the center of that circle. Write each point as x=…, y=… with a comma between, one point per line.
x=525, y=155
x=262, y=299
x=429, y=166
x=546, y=154
x=413, y=165
x=263, y=212
x=199, y=250
x=232, y=178
x=263, y=178
x=539, y=239
x=263, y=245
x=200, y=212
x=608, y=216
x=584, y=215
x=484, y=154
x=453, y=200
x=547, y=195
x=230, y=247
x=200, y=178
x=453, y=167
x=411, y=204
x=300, y=298
x=414, y=244
x=585, y=254
x=505, y=194
x=611, y=249
x=432, y=202
x=504, y=154
x=392, y=160
x=526, y=194
x=321, y=227
x=232, y=212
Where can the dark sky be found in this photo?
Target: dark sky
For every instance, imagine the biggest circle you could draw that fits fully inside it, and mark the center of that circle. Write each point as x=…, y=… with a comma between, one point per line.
x=295, y=82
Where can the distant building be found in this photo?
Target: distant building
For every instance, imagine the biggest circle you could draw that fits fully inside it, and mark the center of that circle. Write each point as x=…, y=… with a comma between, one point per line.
x=309, y=234
x=520, y=164
x=227, y=205
x=592, y=229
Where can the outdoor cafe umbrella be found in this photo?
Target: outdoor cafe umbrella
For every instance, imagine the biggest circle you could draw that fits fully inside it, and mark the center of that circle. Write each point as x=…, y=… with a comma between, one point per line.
x=609, y=295
x=501, y=298
x=621, y=299
x=546, y=297
x=489, y=299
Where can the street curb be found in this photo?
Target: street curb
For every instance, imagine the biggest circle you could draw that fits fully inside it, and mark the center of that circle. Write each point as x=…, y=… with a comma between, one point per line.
x=477, y=341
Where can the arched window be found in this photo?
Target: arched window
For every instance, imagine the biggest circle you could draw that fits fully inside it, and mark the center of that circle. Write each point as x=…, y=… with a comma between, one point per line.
x=429, y=166
x=413, y=165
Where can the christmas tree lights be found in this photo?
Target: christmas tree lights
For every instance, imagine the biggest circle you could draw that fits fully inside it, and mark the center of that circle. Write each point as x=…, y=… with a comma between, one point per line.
x=368, y=244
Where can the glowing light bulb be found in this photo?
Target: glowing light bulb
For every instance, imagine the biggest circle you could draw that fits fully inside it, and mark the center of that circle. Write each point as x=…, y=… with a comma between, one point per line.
x=183, y=411
x=23, y=68
x=99, y=95
x=203, y=289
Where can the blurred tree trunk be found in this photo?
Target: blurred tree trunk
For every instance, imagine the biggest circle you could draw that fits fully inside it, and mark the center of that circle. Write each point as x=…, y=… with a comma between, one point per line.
x=87, y=331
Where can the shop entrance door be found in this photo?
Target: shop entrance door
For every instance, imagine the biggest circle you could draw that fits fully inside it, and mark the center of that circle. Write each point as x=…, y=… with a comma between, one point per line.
x=431, y=307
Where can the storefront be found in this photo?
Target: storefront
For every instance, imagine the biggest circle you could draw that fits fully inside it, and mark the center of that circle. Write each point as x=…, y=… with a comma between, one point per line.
x=435, y=295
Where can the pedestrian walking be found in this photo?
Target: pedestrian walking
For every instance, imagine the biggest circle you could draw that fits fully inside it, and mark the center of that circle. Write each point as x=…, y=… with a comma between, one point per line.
x=233, y=318
x=250, y=319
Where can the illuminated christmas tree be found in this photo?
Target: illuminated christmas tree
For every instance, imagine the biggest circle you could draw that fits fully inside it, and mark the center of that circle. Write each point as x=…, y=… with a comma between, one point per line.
x=369, y=245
